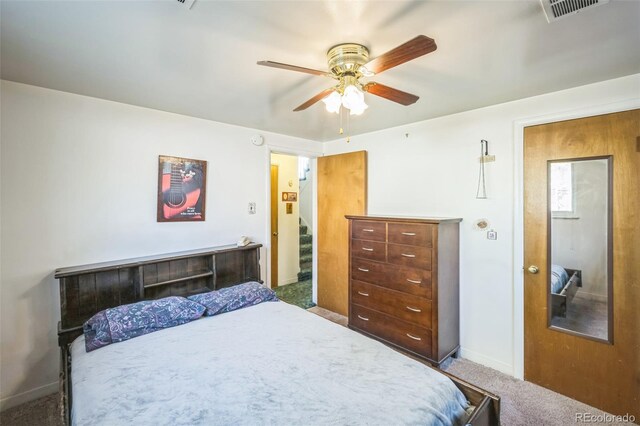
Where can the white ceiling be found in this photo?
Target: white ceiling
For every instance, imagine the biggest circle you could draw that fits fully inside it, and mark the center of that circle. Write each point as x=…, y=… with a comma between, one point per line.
x=202, y=62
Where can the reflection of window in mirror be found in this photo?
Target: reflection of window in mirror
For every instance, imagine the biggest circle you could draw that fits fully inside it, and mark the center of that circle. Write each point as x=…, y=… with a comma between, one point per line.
x=562, y=193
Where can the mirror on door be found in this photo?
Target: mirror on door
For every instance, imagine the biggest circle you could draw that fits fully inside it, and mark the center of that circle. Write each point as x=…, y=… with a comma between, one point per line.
x=580, y=275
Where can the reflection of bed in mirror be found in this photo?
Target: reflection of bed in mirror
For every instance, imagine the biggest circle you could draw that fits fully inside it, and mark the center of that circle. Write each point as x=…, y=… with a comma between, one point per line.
x=564, y=286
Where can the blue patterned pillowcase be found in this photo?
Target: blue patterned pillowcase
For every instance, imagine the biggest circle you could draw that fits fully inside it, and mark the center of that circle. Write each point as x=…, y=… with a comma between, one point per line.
x=128, y=321
x=232, y=298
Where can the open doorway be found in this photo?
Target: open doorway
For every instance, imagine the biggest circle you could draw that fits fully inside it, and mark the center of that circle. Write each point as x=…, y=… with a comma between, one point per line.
x=291, y=226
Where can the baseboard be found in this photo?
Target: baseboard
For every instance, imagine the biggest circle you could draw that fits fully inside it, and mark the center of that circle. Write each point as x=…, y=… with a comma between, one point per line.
x=486, y=361
x=288, y=281
x=30, y=395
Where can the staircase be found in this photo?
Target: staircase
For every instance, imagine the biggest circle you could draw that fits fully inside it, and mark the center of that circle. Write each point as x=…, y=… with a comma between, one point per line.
x=305, y=253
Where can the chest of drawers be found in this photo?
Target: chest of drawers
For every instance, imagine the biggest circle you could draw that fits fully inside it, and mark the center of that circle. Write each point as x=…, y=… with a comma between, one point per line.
x=404, y=283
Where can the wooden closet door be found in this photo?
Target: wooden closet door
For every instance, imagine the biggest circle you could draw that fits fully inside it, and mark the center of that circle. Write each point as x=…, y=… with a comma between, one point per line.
x=342, y=190
x=602, y=372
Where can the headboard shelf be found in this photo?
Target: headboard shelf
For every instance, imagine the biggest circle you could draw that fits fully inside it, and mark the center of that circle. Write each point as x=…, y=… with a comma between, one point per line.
x=88, y=289
x=136, y=261
x=177, y=280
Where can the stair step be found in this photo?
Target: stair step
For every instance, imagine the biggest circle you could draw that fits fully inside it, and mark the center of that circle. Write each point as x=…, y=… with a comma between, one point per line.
x=304, y=258
x=303, y=229
x=306, y=265
x=306, y=238
x=305, y=249
x=304, y=274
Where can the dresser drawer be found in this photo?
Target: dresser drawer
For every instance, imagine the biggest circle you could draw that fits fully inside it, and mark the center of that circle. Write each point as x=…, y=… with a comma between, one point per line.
x=404, y=334
x=410, y=233
x=369, y=230
x=413, y=256
x=408, y=280
x=364, y=270
x=372, y=250
x=399, y=305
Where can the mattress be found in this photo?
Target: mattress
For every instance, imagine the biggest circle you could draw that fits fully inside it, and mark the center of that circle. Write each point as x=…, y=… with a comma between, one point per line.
x=269, y=364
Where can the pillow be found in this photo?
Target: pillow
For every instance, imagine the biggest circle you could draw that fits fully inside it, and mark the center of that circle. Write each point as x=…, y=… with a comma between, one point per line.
x=128, y=321
x=232, y=298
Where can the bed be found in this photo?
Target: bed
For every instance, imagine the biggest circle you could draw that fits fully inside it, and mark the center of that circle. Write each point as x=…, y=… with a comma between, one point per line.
x=271, y=363
x=564, y=284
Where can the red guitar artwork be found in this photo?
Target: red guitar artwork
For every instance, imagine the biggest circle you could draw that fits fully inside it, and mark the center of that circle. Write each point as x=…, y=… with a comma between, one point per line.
x=181, y=193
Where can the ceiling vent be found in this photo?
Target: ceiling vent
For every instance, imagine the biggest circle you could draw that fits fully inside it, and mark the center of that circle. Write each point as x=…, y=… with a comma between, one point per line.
x=556, y=9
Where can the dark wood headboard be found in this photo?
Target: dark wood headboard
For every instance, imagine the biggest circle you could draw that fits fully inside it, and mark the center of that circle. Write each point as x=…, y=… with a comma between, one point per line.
x=88, y=289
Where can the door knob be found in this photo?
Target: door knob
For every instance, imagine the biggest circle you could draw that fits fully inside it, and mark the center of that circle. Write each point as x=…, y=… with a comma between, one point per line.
x=533, y=269
x=275, y=234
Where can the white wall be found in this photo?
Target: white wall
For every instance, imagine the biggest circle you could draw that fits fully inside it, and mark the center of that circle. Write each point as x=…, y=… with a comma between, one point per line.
x=434, y=171
x=288, y=229
x=79, y=181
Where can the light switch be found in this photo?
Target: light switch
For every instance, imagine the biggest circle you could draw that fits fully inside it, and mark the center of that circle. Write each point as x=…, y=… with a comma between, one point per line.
x=252, y=208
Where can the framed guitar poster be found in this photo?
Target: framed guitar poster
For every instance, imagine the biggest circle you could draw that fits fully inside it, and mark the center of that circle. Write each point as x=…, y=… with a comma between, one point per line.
x=182, y=186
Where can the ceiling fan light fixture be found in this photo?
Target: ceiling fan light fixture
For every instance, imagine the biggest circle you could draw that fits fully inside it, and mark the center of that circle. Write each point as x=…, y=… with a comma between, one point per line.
x=353, y=98
x=333, y=102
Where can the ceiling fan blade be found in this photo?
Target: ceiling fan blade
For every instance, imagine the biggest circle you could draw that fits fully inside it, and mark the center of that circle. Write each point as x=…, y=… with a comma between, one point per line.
x=390, y=93
x=293, y=68
x=315, y=99
x=412, y=49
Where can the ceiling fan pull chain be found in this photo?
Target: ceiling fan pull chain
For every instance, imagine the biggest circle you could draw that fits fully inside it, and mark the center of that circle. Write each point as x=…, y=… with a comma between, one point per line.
x=348, y=128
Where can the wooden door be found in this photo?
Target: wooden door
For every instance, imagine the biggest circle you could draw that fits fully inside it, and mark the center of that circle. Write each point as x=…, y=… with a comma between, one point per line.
x=274, y=226
x=601, y=373
x=342, y=190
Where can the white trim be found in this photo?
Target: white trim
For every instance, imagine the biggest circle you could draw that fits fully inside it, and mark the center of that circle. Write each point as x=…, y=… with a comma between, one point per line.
x=277, y=149
x=486, y=361
x=30, y=395
x=314, y=232
x=518, y=210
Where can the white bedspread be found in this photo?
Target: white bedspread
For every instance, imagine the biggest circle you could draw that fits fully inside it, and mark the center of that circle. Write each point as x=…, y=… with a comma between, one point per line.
x=270, y=364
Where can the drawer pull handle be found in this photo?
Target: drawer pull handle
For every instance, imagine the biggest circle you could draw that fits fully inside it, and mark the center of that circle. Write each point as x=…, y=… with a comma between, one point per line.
x=409, y=234
x=414, y=281
x=363, y=270
x=414, y=309
x=411, y=336
x=363, y=318
x=408, y=255
x=361, y=293
x=367, y=230
x=367, y=249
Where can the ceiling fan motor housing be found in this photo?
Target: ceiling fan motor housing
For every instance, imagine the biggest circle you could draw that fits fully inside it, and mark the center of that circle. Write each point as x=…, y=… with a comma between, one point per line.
x=347, y=58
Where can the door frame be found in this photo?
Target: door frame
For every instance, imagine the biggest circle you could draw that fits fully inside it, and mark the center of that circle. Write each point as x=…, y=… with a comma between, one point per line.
x=518, y=210
x=277, y=149
x=273, y=198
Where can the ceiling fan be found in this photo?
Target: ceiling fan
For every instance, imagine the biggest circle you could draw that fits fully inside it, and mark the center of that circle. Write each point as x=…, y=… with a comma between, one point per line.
x=348, y=62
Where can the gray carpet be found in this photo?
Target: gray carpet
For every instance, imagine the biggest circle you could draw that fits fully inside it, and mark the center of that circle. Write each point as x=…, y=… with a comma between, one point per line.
x=522, y=403
x=41, y=412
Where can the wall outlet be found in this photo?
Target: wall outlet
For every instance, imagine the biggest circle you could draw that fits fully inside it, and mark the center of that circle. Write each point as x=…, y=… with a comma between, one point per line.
x=492, y=235
x=252, y=208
